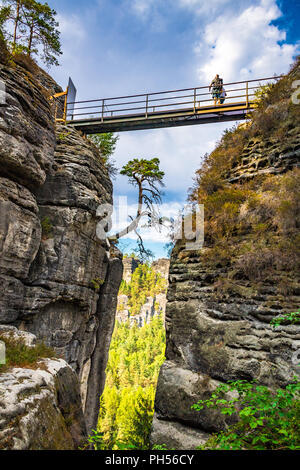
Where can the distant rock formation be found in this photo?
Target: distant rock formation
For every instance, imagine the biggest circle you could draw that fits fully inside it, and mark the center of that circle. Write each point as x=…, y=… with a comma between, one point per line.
x=154, y=306
x=130, y=264
x=162, y=266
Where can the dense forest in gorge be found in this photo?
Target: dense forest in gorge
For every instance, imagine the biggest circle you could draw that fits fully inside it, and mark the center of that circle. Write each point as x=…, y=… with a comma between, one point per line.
x=127, y=404
x=145, y=282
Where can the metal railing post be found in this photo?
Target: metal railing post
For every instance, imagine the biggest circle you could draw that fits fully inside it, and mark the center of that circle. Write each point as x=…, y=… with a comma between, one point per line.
x=147, y=104
x=247, y=94
x=65, y=108
x=103, y=104
x=195, y=99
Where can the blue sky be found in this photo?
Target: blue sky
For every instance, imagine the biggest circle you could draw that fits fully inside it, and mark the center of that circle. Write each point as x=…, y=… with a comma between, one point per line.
x=120, y=47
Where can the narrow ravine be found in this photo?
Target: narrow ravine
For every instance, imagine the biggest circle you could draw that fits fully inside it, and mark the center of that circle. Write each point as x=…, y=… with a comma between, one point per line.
x=137, y=352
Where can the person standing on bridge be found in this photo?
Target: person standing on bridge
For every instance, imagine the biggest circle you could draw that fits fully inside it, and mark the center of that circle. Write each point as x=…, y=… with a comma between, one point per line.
x=223, y=95
x=216, y=86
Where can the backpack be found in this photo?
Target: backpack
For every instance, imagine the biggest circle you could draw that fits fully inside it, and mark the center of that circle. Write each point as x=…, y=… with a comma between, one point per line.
x=217, y=84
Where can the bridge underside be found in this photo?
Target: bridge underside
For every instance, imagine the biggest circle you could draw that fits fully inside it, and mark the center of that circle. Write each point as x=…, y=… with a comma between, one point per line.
x=154, y=120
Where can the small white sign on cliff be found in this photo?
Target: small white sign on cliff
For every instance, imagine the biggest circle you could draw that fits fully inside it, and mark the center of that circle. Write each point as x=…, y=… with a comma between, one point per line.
x=2, y=93
x=2, y=353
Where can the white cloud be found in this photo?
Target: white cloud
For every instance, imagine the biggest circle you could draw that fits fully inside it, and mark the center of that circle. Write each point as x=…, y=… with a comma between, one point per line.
x=71, y=27
x=142, y=7
x=74, y=34
x=148, y=11
x=201, y=7
x=244, y=45
x=240, y=42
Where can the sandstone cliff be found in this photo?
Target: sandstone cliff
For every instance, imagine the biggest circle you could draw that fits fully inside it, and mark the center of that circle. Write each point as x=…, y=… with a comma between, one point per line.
x=154, y=305
x=222, y=298
x=51, y=182
x=40, y=407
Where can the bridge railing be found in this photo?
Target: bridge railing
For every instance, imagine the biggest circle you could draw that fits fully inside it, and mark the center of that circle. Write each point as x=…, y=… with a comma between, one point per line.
x=166, y=102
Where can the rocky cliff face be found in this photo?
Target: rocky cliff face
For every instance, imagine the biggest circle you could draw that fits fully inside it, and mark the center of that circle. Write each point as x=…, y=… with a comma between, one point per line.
x=40, y=407
x=267, y=157
x=154, y=305
x=51, y=183
x=217, y=334
x=162, y=266
x=212, y=339
x=130, y=265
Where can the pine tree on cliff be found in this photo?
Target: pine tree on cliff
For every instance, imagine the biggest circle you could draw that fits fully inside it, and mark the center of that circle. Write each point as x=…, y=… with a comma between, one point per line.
x=42, y=30
x=147, y=177
x=34, y=25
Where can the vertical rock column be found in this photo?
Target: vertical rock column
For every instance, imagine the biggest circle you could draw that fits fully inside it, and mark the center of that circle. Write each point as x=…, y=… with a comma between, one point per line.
x=27, y=143
x=51, y=262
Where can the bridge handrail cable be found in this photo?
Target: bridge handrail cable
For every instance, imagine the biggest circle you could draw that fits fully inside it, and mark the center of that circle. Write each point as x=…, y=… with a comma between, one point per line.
x=173, y=91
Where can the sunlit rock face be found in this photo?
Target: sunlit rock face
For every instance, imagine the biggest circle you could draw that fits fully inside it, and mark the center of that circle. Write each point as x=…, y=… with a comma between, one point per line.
x=217, y=336
x=211, y=341
x=130, y=265
x=54, y=271
x=154, y=305
x=41, y=406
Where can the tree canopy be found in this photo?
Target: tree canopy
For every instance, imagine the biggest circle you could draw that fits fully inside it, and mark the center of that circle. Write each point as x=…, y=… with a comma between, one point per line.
x=147, y=177
x=34, y=29
x=106, y=143
x=127, y=404
x=145, y=282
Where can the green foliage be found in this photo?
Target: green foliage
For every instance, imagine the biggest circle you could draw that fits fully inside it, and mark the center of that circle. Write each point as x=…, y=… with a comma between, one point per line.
x=4, y=16
x=145, y=282
x=47, y=228
x=131, y=255
x=30, y=26
x=143, y=171
x=287, y=319
x=268, y=419
x=20, y=355
x=63, y=135
x=127, y=404
x=96, y=439
x=106, y=144
x=253, y=228
x=263, y=93
x=97, y=283
x=160, y=447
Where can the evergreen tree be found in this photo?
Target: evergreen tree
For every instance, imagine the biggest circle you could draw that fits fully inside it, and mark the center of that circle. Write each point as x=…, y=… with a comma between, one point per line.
x=12, y=11
x=4, y=17
x=107, y=143
x=147, y=177
x=127, y=404
x=35, y=29
x=145, y=282
x=42, y=30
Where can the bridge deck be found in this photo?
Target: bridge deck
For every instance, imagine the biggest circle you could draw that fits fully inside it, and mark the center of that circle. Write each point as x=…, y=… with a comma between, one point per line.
x=154, y=120
x=174, y=108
